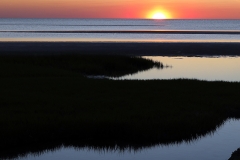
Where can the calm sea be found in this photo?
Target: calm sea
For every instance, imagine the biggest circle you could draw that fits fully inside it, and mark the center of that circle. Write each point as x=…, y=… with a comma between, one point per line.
x=116, y=30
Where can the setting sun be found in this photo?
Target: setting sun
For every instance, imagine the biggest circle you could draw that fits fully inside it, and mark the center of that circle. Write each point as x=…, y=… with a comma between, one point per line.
x=158, y=16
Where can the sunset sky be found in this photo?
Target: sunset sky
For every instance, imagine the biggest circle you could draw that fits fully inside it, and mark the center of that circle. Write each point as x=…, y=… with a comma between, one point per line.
x=174, y=9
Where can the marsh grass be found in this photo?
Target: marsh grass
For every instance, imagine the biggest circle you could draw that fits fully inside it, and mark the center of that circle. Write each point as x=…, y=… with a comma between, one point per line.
x=106, y=65
x=235, y=155
x=47, y=105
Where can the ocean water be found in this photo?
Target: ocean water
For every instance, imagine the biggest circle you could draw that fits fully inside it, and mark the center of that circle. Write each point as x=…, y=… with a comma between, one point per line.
x=119, y=30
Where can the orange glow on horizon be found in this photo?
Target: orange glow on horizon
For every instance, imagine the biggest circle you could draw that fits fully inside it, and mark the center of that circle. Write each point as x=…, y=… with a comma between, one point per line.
x=132, y=9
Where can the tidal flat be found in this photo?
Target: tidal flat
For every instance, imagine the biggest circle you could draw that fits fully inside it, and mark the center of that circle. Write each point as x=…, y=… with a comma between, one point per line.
x=46, y=102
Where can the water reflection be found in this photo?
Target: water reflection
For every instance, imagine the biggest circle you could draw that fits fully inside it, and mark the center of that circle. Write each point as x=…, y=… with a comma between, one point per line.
x=217, y=146
x=101, y=38
x=203, y=68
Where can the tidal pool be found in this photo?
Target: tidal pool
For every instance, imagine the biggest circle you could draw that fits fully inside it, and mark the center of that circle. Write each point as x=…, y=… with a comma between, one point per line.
x=216, y=146
x=202, y=68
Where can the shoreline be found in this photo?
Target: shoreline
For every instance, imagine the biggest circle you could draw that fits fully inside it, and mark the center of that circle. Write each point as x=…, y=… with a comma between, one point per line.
x=133, y=31
x=122, y=48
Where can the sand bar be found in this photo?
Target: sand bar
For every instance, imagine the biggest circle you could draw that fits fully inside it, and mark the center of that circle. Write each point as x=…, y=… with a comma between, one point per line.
x=137, y=49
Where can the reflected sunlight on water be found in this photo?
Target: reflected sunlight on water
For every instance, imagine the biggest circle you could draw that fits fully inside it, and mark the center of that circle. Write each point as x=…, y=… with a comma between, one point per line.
x=180, y=30
x=67, y=39
x=203, y=68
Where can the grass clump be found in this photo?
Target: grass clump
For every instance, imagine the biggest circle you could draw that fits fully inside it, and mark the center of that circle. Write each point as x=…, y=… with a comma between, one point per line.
x=235, y=155
x=113, y=66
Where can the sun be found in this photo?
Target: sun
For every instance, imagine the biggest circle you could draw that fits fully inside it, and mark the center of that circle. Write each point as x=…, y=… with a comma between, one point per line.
x=158, y=15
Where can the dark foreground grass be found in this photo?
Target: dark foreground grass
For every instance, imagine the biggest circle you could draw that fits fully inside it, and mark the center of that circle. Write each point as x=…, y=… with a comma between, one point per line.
x=57, y=106
x=235, y=155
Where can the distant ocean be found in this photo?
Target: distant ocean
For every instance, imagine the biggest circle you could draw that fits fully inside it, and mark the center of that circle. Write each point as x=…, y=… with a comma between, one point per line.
x=119, y=30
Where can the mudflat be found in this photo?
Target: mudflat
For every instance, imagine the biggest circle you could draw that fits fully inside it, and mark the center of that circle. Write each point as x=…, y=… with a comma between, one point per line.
x=122, y=48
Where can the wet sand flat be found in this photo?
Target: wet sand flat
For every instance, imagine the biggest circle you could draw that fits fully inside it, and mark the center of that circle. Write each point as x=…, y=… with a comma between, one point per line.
x=122, y=48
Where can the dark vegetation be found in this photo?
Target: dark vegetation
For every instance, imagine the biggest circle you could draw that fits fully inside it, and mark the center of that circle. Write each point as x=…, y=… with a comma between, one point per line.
x=45, y=102
x=235, y=155
x=112, y=66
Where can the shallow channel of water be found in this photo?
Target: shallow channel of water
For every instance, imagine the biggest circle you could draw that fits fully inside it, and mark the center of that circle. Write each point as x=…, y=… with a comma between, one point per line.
x=216, y=146
x=202, y=68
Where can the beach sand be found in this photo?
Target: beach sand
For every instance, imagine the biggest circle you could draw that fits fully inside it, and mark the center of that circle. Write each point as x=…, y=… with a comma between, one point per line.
x=122, y=48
